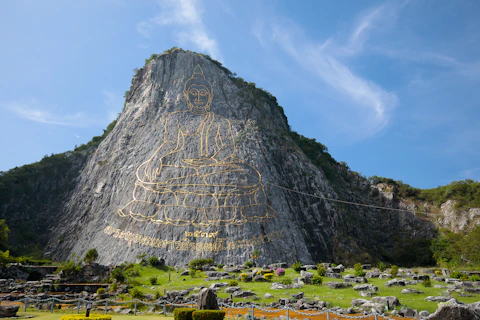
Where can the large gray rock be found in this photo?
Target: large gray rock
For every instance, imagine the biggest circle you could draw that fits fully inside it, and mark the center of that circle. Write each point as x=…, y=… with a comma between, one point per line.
x=365, y=287
x=8, y=311
x=454, y=312
x=391, y=300
x=207, y=300
x=338, y=285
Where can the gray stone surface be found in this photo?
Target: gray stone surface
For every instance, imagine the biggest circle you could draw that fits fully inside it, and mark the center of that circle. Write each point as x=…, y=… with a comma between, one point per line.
x=103, y=209
x=8, y=311
x=207, y=300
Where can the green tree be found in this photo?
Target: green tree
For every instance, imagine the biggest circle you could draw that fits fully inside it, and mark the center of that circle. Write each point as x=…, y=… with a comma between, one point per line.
x=91, y=256
x=4, y=232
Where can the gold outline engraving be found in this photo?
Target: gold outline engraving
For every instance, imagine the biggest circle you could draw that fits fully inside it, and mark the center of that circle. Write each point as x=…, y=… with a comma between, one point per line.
x=169, y=183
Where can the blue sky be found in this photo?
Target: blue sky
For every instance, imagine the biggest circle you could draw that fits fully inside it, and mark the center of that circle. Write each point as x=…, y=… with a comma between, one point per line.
x=390, y=87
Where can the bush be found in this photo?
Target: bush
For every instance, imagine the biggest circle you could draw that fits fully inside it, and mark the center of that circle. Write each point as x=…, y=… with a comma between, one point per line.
x=280, y=272
x=82, y=317
x=438, y=273
x=287, y=281
x=359, y=270
x=244, y=276
x=317, y=280
x=153, y=281
x=157, y=295
x=208, y=315
x=382, y=266
x=200, y=263
x=474, y=277
x=114, y=287
x=91, y=256
x=426, y=283
x=118, y=275
x=136, y=294
x=321, y=271
x=394, y=270
x=101, y=292
x=232, y=283
x=458, y=275
x=183, y=313
x=268, y=276
x=249, y=264
x=153, y=261
x=297, y=266
x=220, y=266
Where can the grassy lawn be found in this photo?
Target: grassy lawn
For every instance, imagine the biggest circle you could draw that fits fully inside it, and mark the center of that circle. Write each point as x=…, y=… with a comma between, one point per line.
x=337, y=297
x=57, y=315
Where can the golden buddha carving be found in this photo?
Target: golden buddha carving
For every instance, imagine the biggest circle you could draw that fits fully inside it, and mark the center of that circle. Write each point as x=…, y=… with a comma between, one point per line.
x=194, y=178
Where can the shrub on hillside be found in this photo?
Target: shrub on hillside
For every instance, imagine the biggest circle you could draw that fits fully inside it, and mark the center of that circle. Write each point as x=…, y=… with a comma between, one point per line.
x=249, y=264
x=244, y=276
x=359, y=270
x=297, y=266
x=220, y=266
x=200, y=263
x=474, y=277
x=153, y=261
x=268, y=276
x=208, y=315
x=287, y=281
x=183, y=313
x=280, y=272
x=136, y=294
x=426, y=283
x=458, y=275
x=118, y=275
x=382, y=266
x=317, y=280
x=101, y=292
x=153, y=281
x=232, y=283
x=393, y=270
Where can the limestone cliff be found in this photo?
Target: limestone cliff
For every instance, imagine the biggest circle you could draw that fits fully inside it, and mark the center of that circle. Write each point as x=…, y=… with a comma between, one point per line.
x=203, y=164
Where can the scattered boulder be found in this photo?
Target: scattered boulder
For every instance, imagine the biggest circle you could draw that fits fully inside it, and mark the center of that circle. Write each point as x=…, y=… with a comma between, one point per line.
x=278, y=286
x=218, y=285
x=268, y=295
x=242, y=294
x=391, y=300
x=306, y=275
x=231, y=289
x=372, y=274
x=259, y=278
x=367, y=293
x=338, y=285
x=410, y=291
x=333, y=275
x=297, y=296
x=365, y=287
x=454, y=312
x=437, y=299
x=385, y=276
x=338, y=269
x=407, y=312
x=395, y=282
x=356, y=279
x=358, y=302
x=310, y=267
x=8, y=311
x=472, y=290
x=424, y=313
x=207, y=300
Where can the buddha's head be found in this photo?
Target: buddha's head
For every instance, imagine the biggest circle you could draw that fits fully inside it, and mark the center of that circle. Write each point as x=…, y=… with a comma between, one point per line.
x=198, y=92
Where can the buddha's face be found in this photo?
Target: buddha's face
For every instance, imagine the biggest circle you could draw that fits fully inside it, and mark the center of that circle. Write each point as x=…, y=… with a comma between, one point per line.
x=198, y=96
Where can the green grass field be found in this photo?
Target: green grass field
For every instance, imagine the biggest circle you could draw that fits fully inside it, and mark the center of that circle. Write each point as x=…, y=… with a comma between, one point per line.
x=337, y=297
x=56, y=316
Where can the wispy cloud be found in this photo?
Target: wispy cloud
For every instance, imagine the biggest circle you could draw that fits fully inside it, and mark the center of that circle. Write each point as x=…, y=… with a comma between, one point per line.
x=187, y=16
x=32, y=110
x=324, y=60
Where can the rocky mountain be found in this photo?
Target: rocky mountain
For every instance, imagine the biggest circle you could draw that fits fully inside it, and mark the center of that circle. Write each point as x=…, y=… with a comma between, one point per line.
x=201, y=163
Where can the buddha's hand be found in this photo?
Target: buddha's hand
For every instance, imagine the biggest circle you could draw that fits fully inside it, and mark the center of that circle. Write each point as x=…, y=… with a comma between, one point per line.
x=152, y=169
x=200, y=162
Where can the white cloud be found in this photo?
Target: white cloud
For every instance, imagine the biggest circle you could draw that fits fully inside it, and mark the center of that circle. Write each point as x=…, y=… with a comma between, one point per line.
x=323, y=60
x=31, y=111
x=187, y=16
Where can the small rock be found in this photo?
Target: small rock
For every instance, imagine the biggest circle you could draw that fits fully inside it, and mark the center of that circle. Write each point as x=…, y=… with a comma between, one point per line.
x=268, y=296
